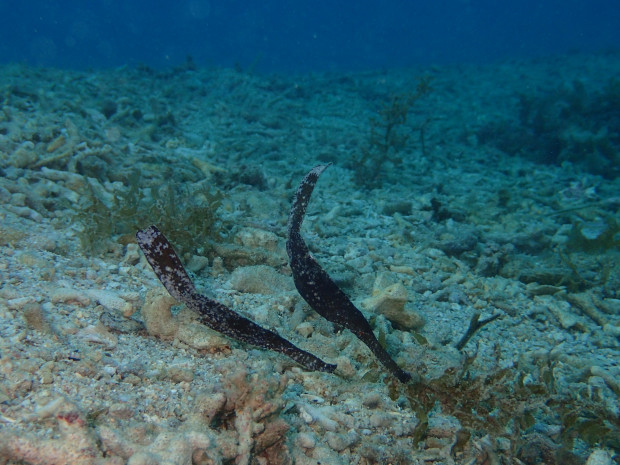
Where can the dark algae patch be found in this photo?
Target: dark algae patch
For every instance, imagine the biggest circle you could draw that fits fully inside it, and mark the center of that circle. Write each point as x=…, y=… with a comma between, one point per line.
x=389, y=136
x=511, y=403
x=571, y=123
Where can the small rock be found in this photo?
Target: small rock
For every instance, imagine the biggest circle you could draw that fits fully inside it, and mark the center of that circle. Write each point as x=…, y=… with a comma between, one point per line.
x=120, y=324
x=456, y=245
x=305, y=329
x=567, y=319
x=157, y=315
x=339, y=442
x=132, y=254
x=306, y=440
x=390, y=302
x=111, y=301
x=24, y=156
x=132, y=379
x=209, y=404
x=537, y=449
x=612, y=329
x=20, y=303
x=66, y=295
x=345, y=368
x=98, y=334
x=260, y=279
x=380, y=419
x=402, y=207
x=45, y=373
x=199, y=336
x=253, y=238
x=179, y=373
x=217, y=268
x=599, y=457
x=172, y=447
x=610, y=306
x=160, y=322
x=120, y=411
x=197, y=263
x=35, y=318
x=372, y=400
x=5, y=195
x=453, y=294
x=320, y=415
x=335, y=441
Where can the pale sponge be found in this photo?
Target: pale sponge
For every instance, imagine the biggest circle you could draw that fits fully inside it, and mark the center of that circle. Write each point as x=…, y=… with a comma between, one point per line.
x=390, y=301
x=183, y=326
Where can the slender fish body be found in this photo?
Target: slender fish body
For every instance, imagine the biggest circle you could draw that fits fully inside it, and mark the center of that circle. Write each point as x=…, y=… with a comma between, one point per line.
x=170, y=271
x=316, y=286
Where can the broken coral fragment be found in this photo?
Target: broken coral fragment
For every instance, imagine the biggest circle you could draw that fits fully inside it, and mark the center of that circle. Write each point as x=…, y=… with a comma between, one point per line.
x=168, y=447
x=251, y=404
x=73, y=442
x=111, y=301
x=99, y=334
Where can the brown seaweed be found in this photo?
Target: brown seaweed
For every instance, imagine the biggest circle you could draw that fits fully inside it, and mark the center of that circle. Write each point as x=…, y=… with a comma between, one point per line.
x=316, y=286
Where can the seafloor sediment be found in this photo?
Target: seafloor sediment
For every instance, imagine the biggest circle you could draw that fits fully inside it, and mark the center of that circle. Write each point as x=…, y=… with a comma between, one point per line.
x=456, y=194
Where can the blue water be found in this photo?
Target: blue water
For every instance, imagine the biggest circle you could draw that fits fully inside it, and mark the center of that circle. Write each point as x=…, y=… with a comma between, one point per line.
x=302, y=35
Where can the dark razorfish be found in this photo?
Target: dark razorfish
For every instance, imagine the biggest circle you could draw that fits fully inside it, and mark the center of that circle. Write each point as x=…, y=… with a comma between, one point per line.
x=318, y=289
x=170, y=271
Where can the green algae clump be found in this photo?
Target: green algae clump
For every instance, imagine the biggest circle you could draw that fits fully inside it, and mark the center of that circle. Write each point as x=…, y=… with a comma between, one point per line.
x=188, y=215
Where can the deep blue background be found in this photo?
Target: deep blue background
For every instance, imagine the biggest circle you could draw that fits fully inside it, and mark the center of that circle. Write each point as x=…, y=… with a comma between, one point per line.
x=300, y=35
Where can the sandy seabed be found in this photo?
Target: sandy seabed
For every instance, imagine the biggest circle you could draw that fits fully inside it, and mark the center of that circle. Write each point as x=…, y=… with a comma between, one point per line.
x=427, y=222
